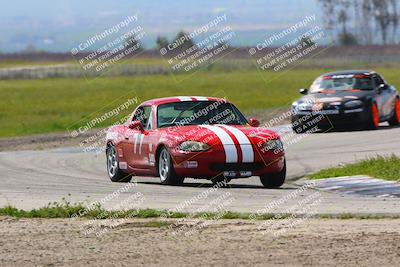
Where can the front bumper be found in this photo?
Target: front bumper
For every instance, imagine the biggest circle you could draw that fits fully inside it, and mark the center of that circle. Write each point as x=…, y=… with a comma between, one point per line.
x=327, y=118
x=211, y=163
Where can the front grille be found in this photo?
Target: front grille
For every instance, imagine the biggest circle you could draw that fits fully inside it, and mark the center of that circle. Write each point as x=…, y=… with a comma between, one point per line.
x=236, y=166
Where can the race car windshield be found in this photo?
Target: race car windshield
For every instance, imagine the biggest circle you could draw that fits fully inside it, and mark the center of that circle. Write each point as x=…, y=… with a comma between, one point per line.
x=197, y=113
x=329, y=83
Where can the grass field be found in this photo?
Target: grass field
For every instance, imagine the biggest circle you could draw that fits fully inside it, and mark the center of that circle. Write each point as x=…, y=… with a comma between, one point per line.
x=379, y=167
x=65, y=209
x=50, y=105
x=71, y=61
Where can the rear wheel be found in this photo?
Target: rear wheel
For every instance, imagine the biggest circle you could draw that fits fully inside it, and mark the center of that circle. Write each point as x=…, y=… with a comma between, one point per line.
x=274, y=180
x=324, y=129
x=113, y=170
x=395, y=120
x=166, y=170
x=373, y=122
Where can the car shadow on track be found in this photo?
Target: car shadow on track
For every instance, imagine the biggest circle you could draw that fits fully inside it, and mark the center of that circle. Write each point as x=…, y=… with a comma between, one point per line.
x=210, y=185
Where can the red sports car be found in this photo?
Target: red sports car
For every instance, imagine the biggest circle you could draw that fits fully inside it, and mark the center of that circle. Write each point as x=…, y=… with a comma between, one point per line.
x=198, y=137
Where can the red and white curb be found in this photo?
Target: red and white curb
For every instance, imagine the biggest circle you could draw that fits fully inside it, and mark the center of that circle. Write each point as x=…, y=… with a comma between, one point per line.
x=359, y=185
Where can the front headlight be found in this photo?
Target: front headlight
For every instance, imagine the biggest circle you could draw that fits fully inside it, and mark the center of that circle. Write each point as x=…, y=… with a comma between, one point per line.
x=273, y=145
x=193, y=146
x=305, y=106
x=353, y=104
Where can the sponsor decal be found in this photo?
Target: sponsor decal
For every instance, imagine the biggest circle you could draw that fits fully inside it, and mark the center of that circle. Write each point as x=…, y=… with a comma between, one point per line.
x=123, y=165
x=190, y=98
x=317, y=106
x=329, y=99
x=350, y=97
x=137, y=146
x=141, y=143
x=240, y=174
x=152, y=160
x=344, y=76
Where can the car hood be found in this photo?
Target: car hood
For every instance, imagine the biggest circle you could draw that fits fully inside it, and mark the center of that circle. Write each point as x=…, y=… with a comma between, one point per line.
x=337, y=96
x=220, y=134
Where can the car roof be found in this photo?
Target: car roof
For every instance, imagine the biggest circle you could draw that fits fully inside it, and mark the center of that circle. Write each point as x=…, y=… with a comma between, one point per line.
x=350, y=72
x=173, y=99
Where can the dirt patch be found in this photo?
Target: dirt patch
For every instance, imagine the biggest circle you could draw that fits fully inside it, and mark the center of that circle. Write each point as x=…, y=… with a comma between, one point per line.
x=315, y=242
x=64, y=139
x=45, y=141
x=272, y=117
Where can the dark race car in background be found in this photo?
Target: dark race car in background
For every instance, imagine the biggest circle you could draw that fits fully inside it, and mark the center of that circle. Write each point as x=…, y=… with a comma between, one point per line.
x=346, y=98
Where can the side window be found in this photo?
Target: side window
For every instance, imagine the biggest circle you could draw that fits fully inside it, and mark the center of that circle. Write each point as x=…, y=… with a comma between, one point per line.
x=142, y=114
x=378, y=80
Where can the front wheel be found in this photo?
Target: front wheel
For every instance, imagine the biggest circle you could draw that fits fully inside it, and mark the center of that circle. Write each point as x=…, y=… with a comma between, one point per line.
x=166, y=170
x=274, y=180
x=113, y=170
x=395, y=120
x=220, y=179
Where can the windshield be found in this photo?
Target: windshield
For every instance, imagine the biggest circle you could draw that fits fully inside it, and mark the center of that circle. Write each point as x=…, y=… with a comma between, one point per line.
x=199, y=112
x=341, y=83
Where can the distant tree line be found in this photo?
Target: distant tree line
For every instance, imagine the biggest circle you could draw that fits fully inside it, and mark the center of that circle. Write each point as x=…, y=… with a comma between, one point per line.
x=362, y=21
x=187, y=43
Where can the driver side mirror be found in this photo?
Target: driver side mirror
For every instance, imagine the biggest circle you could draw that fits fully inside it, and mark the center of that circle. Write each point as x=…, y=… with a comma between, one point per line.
x=136, y=125
x=381, y=87
x=254, y=122
x=303, y=91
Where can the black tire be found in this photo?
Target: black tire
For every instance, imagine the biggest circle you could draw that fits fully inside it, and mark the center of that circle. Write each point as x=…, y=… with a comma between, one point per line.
x=274, y=180
x=165, y=168
x=326, y=128
x=394, y=121
x=219, y=179
x=113, y=170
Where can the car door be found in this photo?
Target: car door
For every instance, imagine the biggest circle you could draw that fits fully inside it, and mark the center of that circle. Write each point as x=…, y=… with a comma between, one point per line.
x=149, y=142
x=133, y=149
x=383, y=96
x=142, y=147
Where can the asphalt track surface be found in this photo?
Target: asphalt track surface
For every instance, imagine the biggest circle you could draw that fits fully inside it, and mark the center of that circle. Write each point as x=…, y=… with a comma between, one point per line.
x=31, y=179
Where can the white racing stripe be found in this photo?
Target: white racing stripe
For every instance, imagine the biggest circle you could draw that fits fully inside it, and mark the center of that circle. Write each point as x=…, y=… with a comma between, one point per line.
x=141, y=142
x=200, y=98
x=227, y=142
x=184, y=98
x=138, y=142
x=136, y=136
x=244, y=142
